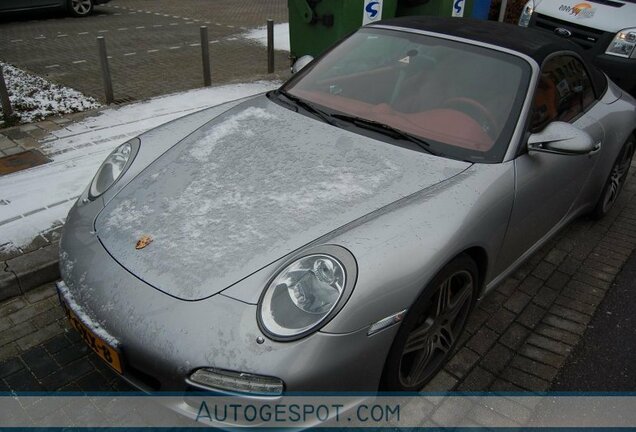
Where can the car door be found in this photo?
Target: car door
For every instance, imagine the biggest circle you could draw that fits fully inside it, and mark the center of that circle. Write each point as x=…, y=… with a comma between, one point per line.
x=547, y=185
x=43, y=3
x=7, y=5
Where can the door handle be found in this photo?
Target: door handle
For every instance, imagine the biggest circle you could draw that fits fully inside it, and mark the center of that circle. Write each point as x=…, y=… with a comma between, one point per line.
x=596, y=149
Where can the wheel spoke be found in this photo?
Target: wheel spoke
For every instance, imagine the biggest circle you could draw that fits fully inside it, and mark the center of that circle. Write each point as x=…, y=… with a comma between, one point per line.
x=443, y=297
x=418, y=337
x=420, y=363
x=458, y=301
x=444, y=340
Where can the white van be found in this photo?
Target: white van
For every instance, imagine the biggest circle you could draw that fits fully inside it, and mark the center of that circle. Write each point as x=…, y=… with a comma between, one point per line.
x=605, y=28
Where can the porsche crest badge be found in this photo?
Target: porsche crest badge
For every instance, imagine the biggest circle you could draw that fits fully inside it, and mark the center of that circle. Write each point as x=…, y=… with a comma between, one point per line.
x=143, y=241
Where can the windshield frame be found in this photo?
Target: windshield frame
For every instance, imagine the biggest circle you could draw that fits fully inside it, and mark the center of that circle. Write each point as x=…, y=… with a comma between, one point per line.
x=506, y=144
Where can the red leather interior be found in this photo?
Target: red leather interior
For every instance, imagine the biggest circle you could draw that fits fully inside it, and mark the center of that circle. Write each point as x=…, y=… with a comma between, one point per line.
x=446, y=125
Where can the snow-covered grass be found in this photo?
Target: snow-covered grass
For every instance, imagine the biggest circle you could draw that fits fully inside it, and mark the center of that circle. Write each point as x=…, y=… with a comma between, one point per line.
x=40, y=197
x=34, y=98
x=281, y=36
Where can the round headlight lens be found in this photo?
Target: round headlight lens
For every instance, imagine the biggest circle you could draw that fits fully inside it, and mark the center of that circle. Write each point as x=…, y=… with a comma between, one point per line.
x=111, y=169
x=302, y=295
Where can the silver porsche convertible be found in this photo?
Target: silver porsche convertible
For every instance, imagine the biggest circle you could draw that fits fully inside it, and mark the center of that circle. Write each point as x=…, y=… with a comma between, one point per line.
x=336, y=233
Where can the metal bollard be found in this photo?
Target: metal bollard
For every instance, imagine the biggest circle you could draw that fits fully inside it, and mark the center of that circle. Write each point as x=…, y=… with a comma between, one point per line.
x=7, y=110
x=270, y=46
x=103, y=59
x=205, y=56
x=502, y=10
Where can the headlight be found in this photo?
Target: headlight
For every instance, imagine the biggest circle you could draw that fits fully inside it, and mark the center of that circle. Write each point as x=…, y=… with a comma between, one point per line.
x=306, y=293
x=112, y=168
x=623, y=43
x=526, y=14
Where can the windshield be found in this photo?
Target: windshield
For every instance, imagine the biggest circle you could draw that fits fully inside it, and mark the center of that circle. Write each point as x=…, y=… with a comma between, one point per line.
x=462, y=100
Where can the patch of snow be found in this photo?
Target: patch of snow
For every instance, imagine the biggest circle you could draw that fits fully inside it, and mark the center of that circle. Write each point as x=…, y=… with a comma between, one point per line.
x=34, y=98
x=85, y=318
x=281, y=36
x=204, y=147
x=40, y=197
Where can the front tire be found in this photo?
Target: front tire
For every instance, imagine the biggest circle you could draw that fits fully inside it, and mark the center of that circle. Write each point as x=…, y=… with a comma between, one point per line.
x=432, y=327
x=616, y=180
x=80, y=8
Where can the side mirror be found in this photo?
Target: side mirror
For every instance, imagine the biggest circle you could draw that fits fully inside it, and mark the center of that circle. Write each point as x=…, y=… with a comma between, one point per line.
x=301, y=63
x=562, y=138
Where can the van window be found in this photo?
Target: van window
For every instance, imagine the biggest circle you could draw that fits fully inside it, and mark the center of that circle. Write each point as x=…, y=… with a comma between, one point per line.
x=563, y=93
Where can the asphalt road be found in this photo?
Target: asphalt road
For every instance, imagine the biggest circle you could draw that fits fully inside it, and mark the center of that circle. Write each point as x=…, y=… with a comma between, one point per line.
x=153, y=45
x=605, y=359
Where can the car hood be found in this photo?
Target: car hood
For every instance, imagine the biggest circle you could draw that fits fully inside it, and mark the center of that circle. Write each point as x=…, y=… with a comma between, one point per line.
x=596, y=14
x=249, y=187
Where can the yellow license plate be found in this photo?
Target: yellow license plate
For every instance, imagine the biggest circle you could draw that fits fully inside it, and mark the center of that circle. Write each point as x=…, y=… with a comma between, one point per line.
x=107, y=353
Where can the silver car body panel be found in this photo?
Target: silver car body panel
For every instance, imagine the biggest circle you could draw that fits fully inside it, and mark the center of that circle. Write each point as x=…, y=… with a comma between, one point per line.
x=235, y=196
x=502, y=212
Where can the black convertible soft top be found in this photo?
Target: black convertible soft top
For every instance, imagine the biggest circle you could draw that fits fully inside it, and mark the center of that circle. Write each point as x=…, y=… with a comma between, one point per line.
x=534, y=43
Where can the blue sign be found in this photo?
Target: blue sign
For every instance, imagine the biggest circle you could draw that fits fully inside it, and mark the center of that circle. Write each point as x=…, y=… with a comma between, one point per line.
x=371, y=9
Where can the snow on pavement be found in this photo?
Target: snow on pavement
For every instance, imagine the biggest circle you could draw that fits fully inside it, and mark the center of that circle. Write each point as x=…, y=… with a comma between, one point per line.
x=34, y=200
x=281, y=36
x=34, y=98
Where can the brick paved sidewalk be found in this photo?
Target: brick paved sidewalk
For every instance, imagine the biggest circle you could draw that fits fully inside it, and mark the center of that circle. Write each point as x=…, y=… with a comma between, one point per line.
x=17, y=263
x=516, y=339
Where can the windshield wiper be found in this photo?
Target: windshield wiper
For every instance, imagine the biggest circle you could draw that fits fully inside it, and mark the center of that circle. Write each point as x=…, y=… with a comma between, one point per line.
x=387, y=130
x=307, y=106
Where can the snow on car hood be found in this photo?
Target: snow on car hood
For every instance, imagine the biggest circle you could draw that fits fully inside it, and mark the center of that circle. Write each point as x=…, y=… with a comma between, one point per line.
x=249, y=187
x=591, y=13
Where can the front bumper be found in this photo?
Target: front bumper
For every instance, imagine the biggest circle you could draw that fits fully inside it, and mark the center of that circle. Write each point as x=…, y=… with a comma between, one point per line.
x=163, y=339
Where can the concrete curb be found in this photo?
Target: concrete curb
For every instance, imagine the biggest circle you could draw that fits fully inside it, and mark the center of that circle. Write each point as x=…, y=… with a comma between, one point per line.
x=28, y=271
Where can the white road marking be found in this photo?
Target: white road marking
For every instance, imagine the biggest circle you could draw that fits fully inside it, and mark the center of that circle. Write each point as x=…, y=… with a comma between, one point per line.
x=190, y=22
x=62, y=35
x=195, y=44
x=140, y=27
x=175, y=47
x=52, y=66
x=79, y=61
x=130, y=54
x=102, y=31
x=214, y=41
x=16, y=40
x=82, y=33
x=152, y=50
x=173, y=24
x=158, y=25
x=122, y=28
x=40, y=37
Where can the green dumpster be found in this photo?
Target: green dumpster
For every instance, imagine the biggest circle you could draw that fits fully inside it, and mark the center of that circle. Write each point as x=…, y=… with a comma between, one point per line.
x=316, y=25
x=442, y=8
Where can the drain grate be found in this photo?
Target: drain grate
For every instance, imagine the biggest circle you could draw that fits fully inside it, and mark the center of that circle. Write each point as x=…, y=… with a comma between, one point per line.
x=21, y=161
x=123, y=100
